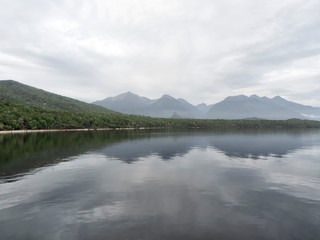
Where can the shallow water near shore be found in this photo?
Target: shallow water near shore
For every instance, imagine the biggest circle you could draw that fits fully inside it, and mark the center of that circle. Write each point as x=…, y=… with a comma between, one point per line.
x=157, y=184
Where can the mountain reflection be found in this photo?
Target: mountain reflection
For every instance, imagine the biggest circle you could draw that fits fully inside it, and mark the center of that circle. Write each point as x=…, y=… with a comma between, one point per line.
x=252, y=145
x=23, y=153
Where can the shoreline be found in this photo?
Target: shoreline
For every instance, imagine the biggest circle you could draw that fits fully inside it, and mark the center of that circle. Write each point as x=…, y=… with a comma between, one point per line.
x=73, y=130
x=229, y=124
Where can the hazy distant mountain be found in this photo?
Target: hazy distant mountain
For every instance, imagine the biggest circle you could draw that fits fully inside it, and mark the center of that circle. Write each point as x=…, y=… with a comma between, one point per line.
x=33, y=97
x=306, y=111
x=204, y=108
x=239, y=107
x=126, y=103
x=165, y=107
x=233, y=107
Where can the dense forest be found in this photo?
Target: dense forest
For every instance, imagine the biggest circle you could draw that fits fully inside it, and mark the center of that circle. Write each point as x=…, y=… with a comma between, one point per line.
x=14, y=116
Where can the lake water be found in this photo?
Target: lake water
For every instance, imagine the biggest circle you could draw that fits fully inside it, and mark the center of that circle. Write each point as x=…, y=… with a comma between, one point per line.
x=160, y=185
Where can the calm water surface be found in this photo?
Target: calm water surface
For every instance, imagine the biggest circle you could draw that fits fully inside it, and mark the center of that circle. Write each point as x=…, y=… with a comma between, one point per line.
x=160, y=185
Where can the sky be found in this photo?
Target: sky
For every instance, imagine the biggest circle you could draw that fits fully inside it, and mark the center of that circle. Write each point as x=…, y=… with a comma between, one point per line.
x=199, y=50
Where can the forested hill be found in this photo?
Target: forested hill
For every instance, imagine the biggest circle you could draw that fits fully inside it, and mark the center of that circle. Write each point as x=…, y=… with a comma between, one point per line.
x=33, y=97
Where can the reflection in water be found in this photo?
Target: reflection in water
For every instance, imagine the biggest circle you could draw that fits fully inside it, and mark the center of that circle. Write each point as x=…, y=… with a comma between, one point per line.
x=212, y=187
x=233, y=144
x=21, y=153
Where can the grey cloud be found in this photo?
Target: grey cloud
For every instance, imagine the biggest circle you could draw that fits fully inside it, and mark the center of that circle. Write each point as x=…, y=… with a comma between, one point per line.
x=199, y=50
x=302, y=43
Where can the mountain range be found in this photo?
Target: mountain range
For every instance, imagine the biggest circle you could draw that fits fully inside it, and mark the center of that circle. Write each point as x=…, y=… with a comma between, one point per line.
x=23, y=107
x=232, y=107
x=165, y=107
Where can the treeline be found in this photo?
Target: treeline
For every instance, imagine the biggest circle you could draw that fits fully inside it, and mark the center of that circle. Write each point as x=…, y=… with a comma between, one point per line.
x=15, y=116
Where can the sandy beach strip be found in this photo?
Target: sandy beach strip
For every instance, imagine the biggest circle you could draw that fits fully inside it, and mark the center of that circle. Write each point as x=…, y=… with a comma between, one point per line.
x=72, y=130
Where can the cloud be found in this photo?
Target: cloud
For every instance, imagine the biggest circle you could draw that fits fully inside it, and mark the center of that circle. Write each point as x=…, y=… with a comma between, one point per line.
x=200, y=50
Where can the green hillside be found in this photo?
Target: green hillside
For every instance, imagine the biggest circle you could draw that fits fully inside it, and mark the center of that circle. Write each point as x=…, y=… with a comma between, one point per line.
x=29, y=96
x=14, y=116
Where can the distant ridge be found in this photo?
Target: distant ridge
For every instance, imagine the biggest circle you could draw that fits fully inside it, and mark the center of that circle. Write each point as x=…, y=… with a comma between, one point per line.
x=232, y=107
x=306, y=111
x=243, y=107
x=27, y=108
x=204, y=108
x=166, y=106
x=128, y=103
x=30, y=96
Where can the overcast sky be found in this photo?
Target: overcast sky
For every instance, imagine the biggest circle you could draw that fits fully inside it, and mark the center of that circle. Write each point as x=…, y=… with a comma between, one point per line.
x=200, y=50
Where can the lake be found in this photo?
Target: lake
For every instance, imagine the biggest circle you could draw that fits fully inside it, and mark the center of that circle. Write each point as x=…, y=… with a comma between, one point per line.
x=199, y=184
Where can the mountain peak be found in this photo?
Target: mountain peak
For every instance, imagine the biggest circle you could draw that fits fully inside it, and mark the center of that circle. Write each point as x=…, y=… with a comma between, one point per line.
x=166, y=96
x=130, y=93
x=278, y=98
x=255, y=96
x=236, y=98
x=125, y=96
